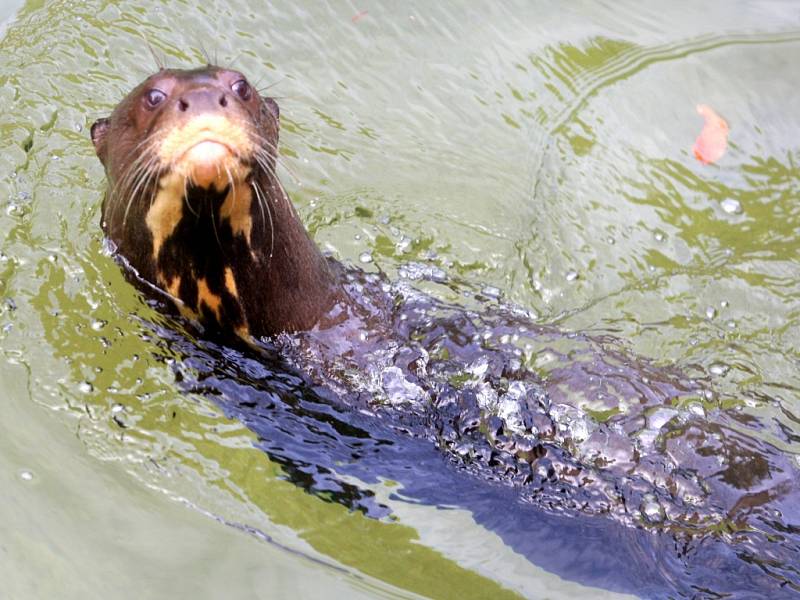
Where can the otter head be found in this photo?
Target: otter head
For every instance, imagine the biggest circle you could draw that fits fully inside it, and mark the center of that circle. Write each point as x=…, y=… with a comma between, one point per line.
x=207, y=126
x=195, y=207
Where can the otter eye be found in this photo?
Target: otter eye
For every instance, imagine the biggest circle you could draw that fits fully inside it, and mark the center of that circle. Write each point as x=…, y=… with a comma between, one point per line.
x=154, y=97
x=242, y=89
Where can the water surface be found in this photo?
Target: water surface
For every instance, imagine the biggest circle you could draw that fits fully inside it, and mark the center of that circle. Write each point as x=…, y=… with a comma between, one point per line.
x=531, y=149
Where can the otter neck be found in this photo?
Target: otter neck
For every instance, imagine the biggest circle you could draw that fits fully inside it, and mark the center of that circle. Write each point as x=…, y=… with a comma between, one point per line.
x=237, y=258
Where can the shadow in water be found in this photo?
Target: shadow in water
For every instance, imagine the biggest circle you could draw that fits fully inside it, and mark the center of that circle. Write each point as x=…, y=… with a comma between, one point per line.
x=606, y=470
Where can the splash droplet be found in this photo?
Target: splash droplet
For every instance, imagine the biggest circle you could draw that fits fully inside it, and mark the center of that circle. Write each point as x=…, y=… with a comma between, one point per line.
x=652, y=511
x=718, y=369
x=731, y=206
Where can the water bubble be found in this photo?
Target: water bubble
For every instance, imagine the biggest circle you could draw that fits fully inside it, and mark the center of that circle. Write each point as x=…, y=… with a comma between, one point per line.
x=491, y=292
x=652, y=510
x=731, y=206
x=724, y=304
x=571, y=422
x=696, y=409
x=611, y=241
x=117, y=408
x=398, y=389
x=508, y=410
x=403, y=245
x=751, y=403
x=571, y=275
x=660, y=417
x=85, y=387
x=98, y=324
x=416, y=271
x=463, y=449
x=718, y=369
x=711, y=312
x=578, y=429
x=486, y=396
x=478, y=368
x=660, y=237
x=365, y=257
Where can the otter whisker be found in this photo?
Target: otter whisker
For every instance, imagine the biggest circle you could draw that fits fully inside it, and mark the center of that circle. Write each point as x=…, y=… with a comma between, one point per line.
x=134, y=178
x=276, y=157
x=261, y=203
x=271, y=171
x=144, y=181
x=157, y=59
x=138, y=168
x=232, y=185
x=214, y=229
x=205, y=54
x=131, y=172
x=274, y=178
x=265, y=88
x=186, y=199
x=232, y=62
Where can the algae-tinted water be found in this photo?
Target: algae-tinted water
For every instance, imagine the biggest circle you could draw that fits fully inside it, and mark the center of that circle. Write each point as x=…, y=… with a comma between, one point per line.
x=538, y=150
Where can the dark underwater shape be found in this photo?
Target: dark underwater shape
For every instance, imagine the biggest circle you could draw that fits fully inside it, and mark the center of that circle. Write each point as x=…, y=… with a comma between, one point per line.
x=727, y=502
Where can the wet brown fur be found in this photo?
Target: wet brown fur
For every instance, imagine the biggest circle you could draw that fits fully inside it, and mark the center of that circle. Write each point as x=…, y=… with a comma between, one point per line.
x=227, y=247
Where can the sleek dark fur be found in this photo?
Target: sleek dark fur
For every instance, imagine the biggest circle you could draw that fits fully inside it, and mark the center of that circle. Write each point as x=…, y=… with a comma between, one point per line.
x=255, y=273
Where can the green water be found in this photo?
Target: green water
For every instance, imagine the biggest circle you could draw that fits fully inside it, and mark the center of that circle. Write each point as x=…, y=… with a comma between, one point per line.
x=539, y=148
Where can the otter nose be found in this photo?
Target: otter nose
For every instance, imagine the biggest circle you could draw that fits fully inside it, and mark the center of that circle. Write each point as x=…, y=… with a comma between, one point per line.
x=202, y=100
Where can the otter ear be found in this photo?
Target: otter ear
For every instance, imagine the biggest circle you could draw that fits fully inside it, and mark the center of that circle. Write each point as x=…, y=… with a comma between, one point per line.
x=272, y=108
x=99, y=130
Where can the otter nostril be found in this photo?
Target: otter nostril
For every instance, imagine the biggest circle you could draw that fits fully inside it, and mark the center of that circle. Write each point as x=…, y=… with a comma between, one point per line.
x=182, y=105
x=223, y=101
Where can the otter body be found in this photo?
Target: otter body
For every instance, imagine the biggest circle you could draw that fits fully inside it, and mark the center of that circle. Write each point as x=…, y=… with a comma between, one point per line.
x=195, y=207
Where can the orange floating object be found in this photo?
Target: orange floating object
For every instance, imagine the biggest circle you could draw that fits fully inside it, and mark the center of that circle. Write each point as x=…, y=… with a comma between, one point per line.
x=357, y=17
x=710, y=145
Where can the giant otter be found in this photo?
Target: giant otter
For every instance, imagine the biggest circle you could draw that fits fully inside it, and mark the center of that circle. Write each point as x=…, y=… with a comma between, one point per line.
x=195, y=207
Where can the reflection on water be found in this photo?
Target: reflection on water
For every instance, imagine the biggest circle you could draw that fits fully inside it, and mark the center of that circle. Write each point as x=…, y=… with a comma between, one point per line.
x=540, y=153
x=603, y=436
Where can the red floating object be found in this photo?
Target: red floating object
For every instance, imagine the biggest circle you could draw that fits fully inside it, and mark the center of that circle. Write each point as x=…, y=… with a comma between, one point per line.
x=710, y=145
